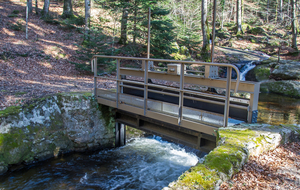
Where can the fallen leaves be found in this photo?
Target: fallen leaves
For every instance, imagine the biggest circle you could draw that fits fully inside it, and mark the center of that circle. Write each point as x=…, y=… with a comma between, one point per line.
x=276, y=169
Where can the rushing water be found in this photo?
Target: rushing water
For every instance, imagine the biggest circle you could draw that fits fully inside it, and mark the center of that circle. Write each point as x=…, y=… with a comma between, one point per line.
x=245, y=69
x=144, y=163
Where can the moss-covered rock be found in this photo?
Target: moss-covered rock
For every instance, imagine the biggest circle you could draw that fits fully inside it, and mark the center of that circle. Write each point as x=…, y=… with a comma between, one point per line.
x=53, y=125
x=235, y=145
x=288, y=88
x=257, y=30
x=262, y=72
x=222, y=34
x=287, y=70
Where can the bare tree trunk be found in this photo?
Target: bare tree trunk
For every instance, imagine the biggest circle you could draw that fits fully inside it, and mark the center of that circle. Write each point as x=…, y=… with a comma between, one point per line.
x=46, y=8
x=87, y=18
x=281, y=13
x=294, y=25
x=276, y=11
x=231, y=12
x=68, y=10
x=134, y=24
x=205, y=31
x=242, y=7
x=238, y=16
x=36, y=7
x=29, y=5
x=222, y=4
x=222, y=21
x=267, y=17
x=27, y=9
x=288, y=8
x=123, y=37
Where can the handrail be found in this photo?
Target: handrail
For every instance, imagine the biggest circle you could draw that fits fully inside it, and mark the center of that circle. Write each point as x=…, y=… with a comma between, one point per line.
x=181, y=89
x=179, y=62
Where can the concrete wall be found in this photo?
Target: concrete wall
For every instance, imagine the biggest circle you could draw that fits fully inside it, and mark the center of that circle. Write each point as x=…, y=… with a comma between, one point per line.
x=53, y=125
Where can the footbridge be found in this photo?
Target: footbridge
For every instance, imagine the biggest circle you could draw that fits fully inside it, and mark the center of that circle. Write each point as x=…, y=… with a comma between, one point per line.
x=174, y=101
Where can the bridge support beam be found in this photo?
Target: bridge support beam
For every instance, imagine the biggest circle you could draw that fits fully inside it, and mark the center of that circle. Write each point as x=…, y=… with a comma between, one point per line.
x=120, y=133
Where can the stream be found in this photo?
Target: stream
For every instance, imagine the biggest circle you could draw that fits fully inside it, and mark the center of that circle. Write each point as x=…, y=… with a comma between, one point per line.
x=144, y=163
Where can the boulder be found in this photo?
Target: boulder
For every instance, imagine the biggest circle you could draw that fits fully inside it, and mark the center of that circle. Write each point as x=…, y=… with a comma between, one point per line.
x=53, y=125
x=288, y=88
x=287, y=70
x=222, y=34
x=257, y=30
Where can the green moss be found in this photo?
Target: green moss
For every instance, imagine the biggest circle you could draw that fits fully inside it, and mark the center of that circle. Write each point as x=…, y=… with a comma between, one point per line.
x=13, y=148
x=224, y=158
x=200, y=177
x=257, y=30
x=108, y=115
x=12, y=110
x=20, y=93
x=262, y=72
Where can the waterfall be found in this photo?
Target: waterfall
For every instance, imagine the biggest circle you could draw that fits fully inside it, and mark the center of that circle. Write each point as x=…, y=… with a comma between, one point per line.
x=245, y=69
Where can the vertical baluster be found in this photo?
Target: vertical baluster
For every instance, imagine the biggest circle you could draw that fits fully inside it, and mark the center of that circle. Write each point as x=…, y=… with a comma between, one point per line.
x=180, y=106
x=118, y=83
x=227, y=100
x=145, y=63
x=95, y=77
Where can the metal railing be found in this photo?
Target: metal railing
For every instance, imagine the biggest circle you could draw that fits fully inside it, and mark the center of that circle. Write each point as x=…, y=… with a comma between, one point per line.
x=181, y=91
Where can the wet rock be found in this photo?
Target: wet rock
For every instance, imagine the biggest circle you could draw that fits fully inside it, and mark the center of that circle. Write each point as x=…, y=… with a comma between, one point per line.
x=3, y=168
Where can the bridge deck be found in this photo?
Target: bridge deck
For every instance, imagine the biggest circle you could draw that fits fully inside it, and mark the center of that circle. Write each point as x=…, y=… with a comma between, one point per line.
x=187, y=116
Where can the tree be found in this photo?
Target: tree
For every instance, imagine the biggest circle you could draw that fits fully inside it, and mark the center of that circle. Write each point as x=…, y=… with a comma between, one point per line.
x=205, y=31
x=222, y=4
x=36, y=7
x=162, y=33
x=87, y=17
x=280, y=8
x=29, y=4
x=67, y=10
x=294, y=25
x=238, y=16
x=123, y=37
x=45, y=12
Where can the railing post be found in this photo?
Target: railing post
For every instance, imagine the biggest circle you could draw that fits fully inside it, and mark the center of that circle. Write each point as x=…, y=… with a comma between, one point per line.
x=118, y=83
x=180, y=107
x=227, y=100
x=95, y=77
x=92, y=65
x=145, y=85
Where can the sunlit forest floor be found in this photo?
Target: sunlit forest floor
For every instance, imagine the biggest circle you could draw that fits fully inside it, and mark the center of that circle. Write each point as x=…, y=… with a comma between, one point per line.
x=40, y=65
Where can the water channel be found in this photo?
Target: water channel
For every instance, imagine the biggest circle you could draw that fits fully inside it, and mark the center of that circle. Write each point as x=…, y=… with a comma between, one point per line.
x=144, y=163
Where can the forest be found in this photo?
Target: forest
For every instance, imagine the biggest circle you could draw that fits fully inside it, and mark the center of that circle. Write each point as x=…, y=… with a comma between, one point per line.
x=46, y=48
x=181, y=30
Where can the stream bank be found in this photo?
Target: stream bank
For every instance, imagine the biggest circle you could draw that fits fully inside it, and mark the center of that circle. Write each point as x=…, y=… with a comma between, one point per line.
x=52, y=126
x=234, y=146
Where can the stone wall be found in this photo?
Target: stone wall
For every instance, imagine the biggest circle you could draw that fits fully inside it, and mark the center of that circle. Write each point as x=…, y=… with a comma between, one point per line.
x=53, y=125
